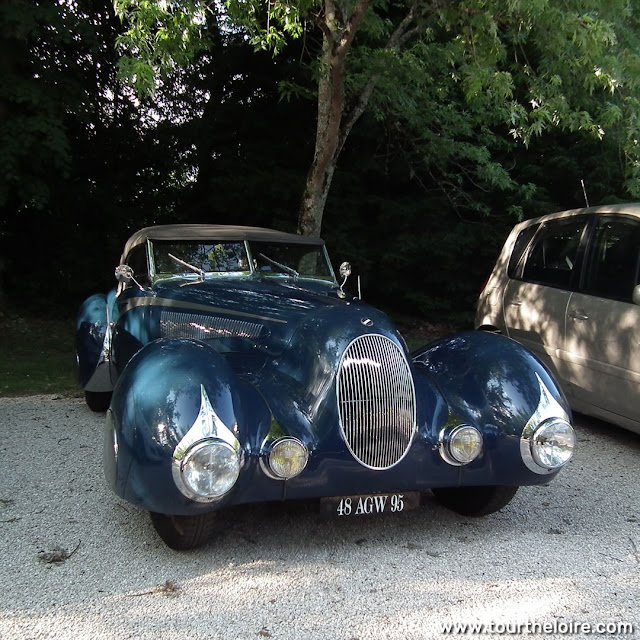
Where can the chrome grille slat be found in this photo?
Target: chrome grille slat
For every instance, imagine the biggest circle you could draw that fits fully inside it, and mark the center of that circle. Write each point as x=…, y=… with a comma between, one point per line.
x=176, y=324
x=376, y=401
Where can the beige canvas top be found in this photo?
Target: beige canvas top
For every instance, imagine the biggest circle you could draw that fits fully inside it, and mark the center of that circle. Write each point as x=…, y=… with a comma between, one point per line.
x=215, y=232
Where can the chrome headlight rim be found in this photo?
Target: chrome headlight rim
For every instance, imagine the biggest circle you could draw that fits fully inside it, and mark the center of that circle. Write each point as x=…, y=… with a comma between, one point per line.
x=549, y=411
x=267, y=463
x=180, y=470
x=447, y=439
x=531, y=440
x=539, y=439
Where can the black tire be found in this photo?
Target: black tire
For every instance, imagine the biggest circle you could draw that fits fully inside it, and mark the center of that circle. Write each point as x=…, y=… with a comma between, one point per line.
x=184, y=532
x=98, y=401
x=475, y=501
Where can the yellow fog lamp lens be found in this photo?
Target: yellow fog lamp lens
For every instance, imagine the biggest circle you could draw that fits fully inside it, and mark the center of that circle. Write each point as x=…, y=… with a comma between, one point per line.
x=465, y=444
x=287, y=458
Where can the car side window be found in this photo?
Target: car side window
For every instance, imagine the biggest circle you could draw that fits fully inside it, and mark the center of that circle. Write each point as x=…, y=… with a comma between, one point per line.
x=520, y=246
x=553, y=256
x=614, y=259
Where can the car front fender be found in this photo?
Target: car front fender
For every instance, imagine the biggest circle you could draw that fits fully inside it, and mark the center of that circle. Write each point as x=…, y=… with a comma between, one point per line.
x=498, y=386
x=156, y=402
x=93, y=344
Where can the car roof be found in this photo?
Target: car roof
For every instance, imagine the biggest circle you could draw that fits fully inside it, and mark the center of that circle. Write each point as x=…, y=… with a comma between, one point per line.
x=215, y=232
x=632, y=209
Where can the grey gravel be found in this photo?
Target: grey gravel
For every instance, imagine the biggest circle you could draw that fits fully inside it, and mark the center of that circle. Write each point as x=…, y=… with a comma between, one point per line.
x=77, y=562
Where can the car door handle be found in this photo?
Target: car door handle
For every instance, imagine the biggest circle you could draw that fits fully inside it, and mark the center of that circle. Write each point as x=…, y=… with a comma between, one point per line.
x=516, y=303
x=578, y=315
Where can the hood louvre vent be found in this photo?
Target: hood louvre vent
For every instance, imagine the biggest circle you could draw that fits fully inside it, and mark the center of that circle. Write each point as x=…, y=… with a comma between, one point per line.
x=376, y=401
x=175, y=324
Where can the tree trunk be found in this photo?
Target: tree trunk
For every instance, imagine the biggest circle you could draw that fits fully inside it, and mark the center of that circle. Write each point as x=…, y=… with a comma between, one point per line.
x=338, y=32
x=332, y=130
x=330, y=108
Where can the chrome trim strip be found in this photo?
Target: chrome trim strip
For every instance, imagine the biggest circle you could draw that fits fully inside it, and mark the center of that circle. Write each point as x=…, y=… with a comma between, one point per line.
x=206, y=425
x=134, y=303
x=103, y=376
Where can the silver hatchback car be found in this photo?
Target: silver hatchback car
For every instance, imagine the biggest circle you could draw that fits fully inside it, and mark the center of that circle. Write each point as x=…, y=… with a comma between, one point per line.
x=566, y=286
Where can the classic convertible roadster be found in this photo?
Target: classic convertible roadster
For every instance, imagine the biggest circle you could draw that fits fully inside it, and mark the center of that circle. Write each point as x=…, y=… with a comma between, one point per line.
x=235, y=369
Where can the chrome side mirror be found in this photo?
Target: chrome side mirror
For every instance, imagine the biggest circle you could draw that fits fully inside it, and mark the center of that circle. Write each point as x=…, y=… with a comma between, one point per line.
x=345, y=272
x=124, y=273
x=636, y=295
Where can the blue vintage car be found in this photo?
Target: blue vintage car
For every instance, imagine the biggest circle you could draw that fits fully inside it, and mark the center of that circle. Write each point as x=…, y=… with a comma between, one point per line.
x=234, y=369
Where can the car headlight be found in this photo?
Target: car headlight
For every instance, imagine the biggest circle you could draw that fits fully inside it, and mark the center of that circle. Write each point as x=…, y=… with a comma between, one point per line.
x=548, y=439
x=209, y=470
x=461, y=445
x=552, y=443
x=287, y=459
x=208, y=458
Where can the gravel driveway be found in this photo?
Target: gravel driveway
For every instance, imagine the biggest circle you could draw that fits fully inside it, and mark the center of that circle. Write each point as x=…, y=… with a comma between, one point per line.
x=77, y=562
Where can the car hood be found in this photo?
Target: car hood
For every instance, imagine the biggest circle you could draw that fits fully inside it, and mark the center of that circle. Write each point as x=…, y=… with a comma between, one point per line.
x=280, y=306
x=275, y=299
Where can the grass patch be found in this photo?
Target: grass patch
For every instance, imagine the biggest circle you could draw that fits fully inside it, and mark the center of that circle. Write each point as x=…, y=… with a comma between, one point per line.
x=37, y=356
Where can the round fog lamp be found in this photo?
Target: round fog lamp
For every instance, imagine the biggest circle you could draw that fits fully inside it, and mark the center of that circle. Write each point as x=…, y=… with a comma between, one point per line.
x=552, y=443
x=465, y=444
x=288, y=458
x=210, y=469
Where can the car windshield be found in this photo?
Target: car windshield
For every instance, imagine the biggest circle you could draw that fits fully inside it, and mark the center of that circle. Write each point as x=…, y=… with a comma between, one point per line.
x=281, y=259
x=179, y=258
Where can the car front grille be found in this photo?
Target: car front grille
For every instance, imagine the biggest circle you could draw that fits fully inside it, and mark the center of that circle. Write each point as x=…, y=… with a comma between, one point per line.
x=176, y=324
x=376, y=401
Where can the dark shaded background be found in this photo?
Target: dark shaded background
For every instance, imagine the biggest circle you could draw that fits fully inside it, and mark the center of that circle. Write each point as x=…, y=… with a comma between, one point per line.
x=83, y=164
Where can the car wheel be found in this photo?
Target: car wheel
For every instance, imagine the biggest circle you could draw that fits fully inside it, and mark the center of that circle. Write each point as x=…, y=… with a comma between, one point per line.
x=98, y=401
x=183, y=532
x=475, y=501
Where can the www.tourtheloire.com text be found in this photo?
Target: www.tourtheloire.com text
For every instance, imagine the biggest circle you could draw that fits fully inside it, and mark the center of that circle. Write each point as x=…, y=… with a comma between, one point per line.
x=558, y=627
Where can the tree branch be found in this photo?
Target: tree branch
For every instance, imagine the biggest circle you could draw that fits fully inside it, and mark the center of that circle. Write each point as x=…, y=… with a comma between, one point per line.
x=398, y=38
x=352, y=26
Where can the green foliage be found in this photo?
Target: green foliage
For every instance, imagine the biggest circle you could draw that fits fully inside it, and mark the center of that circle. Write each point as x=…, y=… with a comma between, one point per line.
x=161, y=36
x=471, y=77
x=271, y=24
x=481, y=71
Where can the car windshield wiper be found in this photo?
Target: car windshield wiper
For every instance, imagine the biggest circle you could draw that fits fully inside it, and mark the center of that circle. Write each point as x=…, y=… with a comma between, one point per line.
x=289, y=270
x=198, y=270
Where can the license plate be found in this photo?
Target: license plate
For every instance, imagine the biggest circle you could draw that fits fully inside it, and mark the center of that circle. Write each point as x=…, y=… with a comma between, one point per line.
x=367, y=505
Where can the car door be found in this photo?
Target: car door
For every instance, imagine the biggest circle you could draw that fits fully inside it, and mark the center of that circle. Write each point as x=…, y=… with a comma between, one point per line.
x=603, y=323
x=536, y=300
